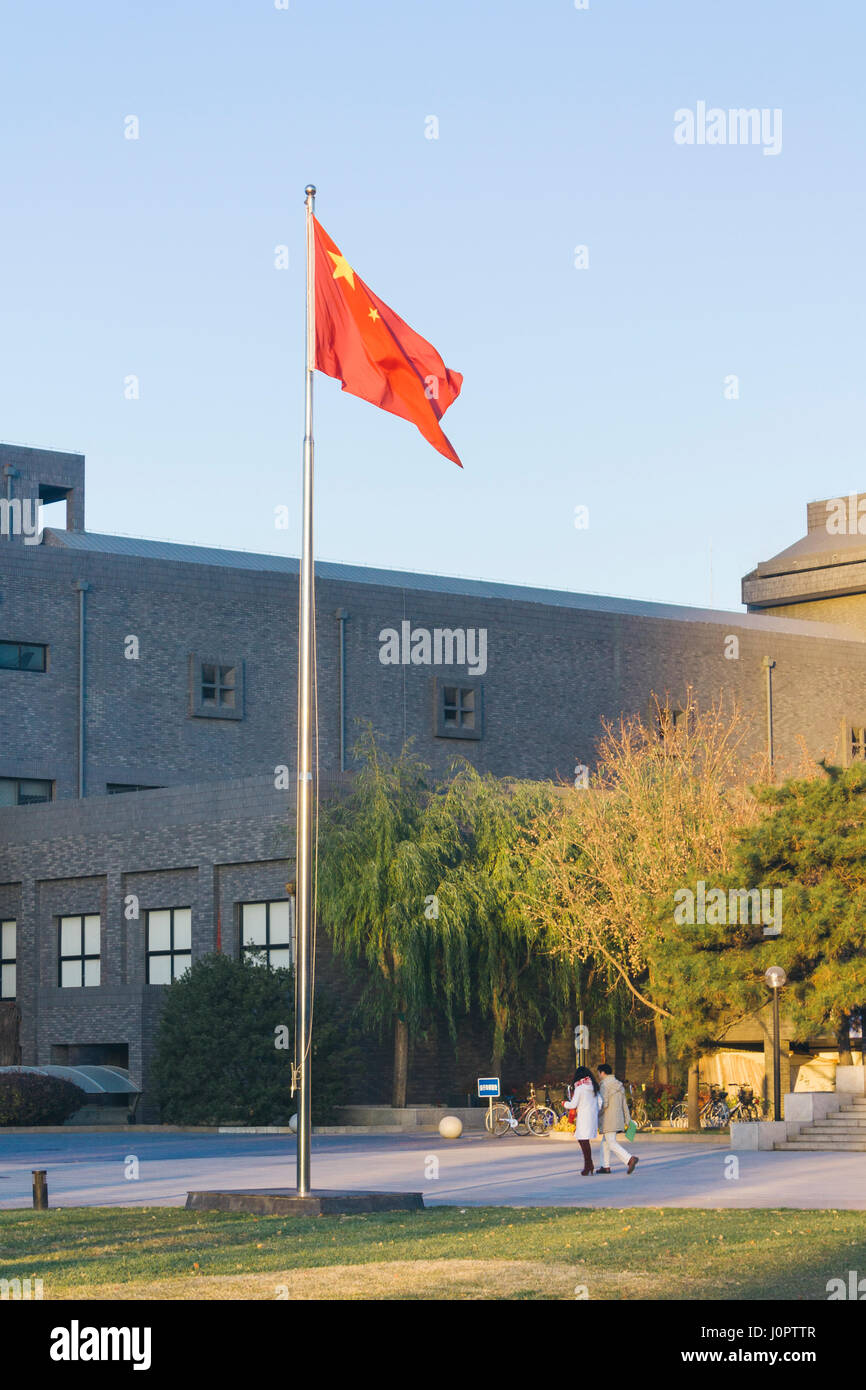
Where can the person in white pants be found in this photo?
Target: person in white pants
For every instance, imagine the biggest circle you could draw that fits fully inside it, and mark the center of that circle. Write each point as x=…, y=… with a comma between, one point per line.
x=613, y=1118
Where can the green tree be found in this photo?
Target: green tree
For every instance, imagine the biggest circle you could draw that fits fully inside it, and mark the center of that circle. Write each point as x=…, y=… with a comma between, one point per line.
x=474, y=860
x=811, y=845
x=371, y=894
x=225, y=1044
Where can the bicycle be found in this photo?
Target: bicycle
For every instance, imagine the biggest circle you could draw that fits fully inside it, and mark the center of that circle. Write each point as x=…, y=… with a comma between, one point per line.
x=746, y=1107
x=510, y=1116
x=637, y=1109
x=713, y=1114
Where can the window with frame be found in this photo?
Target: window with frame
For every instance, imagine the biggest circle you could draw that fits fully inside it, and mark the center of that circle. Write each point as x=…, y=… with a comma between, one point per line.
x=8, y=958
x=78, y=963
x=266, y=932
x=857, y=743
x=25, y=791
x=23, y=656
x=458, y=709
x=216, y=688
x=168, y=944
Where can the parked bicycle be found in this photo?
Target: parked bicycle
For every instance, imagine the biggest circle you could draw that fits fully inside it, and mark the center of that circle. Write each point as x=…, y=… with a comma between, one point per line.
x=511, y=1116
x=638, y=1108
x=714, y=1113
x=747, y=1107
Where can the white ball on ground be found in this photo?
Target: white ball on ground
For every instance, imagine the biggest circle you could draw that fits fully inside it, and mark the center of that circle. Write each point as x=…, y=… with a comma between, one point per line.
x=450, y=1127
x=293, y=1124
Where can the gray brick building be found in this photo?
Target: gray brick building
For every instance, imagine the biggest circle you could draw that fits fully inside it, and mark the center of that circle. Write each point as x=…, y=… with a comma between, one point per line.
x=167, y=672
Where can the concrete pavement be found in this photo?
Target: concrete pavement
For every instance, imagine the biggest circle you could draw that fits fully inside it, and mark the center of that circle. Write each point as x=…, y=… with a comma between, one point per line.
x=137, y=1169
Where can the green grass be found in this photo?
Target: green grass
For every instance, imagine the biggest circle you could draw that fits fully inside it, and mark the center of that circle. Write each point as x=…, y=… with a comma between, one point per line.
x=634, y=1252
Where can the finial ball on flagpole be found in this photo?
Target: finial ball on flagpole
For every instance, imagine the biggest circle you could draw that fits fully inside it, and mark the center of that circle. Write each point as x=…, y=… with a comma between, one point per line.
x=310, y=190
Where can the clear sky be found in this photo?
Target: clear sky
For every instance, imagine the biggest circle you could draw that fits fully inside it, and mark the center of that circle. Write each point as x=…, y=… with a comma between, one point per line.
x=602, y=387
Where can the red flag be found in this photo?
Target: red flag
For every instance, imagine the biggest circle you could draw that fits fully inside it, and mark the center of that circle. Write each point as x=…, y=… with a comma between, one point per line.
x=377, y=356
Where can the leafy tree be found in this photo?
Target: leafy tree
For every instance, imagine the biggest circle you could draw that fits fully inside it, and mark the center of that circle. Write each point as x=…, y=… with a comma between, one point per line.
x=810, y=844
x=474, y=856
x=217, y=1059
x=371, y=893
x=418, y=888
x=667, y=794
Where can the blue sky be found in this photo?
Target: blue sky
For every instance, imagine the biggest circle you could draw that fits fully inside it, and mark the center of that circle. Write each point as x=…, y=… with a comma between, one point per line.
x=601, y=387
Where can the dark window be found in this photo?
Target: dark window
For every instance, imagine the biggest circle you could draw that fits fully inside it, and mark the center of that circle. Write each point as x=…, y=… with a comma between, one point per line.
x=169, y=944
x=216, y=688
x=458, y=710
x=78, y=953
x=24, y=791
x=857, y=743
x=115, y=788
x=266, y=932
x=8, y=959
x=23, y=656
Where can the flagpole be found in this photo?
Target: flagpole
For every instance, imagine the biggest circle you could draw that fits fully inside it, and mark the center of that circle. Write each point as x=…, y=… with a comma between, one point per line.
x=304, y=823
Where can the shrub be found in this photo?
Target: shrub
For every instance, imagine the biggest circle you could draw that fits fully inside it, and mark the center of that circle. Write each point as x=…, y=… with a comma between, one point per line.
x=29, y=1098
x=217, y=1060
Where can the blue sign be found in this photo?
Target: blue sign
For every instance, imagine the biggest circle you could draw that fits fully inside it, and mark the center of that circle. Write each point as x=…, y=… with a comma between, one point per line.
x=488, y=1087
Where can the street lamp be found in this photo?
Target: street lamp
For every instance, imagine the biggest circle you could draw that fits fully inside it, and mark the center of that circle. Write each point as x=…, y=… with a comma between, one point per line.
x=776, y=978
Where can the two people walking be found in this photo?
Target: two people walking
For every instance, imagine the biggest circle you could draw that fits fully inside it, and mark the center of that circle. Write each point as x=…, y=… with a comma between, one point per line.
x=600, y=1108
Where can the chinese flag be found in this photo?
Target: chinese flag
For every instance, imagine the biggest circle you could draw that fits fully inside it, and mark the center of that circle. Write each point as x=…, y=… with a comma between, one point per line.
x=377, y=356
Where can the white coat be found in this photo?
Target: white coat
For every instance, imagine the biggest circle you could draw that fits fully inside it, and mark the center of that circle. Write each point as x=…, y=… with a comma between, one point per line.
x=584, y=1099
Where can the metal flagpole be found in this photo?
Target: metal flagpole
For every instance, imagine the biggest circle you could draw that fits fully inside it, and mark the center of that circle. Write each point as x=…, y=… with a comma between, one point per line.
x=304, y=825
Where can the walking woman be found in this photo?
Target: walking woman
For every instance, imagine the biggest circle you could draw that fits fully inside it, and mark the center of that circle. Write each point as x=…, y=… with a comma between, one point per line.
x=584, y=1099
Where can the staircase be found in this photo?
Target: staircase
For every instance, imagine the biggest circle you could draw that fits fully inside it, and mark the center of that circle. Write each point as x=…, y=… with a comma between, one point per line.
x=843, y=1131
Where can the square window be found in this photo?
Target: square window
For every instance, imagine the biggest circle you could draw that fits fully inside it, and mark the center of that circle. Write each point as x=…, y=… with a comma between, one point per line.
x=266, y=932
x=216, y=688
x=458, y=710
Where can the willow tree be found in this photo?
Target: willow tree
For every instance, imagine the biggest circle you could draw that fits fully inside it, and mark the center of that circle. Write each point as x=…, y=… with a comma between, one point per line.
x=370, y=898
x=668, y=793
x=474, y=857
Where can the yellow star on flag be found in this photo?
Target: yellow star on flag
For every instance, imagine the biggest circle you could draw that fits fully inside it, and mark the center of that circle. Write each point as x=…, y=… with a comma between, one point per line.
x=342, y=269
x=374, y=314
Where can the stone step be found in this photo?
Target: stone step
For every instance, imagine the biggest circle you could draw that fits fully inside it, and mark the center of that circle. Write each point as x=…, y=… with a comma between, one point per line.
x=823, y=1145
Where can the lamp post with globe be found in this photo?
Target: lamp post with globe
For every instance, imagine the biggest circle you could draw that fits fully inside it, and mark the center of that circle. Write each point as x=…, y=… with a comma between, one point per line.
x=775, y=978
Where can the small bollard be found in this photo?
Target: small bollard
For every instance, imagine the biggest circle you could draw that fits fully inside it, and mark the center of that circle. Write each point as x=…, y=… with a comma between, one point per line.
x=40, y=1189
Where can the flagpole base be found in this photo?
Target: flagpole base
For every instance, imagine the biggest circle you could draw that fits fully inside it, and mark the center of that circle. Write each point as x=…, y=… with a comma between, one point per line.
x=285, y=1201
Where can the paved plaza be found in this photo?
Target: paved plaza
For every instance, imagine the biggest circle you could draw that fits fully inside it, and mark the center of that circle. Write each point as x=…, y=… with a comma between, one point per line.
x=91, y=1169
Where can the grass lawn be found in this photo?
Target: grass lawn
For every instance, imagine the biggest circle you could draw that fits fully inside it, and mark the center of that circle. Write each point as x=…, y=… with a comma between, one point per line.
x=441, y=1253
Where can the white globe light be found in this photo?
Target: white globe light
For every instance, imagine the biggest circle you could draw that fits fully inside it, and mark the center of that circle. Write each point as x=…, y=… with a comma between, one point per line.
x=293, y=1124
x=775, y=977
x=450, y=1127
